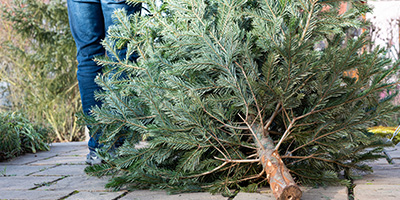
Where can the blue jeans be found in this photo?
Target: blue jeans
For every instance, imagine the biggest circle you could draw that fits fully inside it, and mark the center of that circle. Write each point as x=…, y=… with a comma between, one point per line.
x=89, y=21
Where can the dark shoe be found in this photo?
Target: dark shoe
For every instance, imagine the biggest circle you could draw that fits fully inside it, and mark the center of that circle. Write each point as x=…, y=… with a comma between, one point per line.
x=93, y=159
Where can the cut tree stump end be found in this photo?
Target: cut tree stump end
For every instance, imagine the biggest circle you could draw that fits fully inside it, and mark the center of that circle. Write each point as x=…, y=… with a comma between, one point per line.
x=291, y=192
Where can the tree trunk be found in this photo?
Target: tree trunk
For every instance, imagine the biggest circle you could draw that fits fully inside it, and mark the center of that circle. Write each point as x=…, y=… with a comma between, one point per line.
x=281, y=182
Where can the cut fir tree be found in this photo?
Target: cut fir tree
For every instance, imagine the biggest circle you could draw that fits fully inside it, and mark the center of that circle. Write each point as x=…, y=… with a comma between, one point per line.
x=232, y=95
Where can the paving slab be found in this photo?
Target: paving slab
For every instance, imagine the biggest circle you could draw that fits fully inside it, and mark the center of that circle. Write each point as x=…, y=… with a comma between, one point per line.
x=21, y=170
x=77, y=152
x=384, y=182
x=393, y=150
x=162, y=195
x=95, y=195
x=381, y=175
x=62, y=148
x=328, y=193
x=55, y=149
x=63, y=170
x=254, y=196
x=61, y=160
x=378, y=192
x=395, y=155
x=80, y=183
x=380, y=161
x=33, y=194
x=29, y=158
x=69, y=144
x=23, y=182
x=386, y=167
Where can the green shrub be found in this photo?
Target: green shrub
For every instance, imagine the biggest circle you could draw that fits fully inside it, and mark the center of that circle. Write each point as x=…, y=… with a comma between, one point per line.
x=18, y=135
x=39, y=57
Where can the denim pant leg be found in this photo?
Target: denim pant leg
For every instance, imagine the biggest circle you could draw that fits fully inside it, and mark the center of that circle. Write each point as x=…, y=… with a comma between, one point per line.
x=87, y=27
x=89, y=20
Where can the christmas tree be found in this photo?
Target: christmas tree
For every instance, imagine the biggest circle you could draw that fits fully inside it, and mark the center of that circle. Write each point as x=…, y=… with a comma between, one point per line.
x=235, y=94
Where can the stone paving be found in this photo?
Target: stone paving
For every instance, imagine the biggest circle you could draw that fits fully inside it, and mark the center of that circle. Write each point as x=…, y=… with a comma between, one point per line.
x=58, y=174
x=384, y=182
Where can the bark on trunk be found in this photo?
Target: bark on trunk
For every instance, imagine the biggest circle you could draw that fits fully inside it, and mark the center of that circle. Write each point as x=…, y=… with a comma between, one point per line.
x=281, y=182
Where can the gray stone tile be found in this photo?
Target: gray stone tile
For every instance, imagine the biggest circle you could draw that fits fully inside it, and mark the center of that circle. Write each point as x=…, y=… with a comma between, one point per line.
x=254, y=196
x=384, y=175
x=162, y=195
x=328, y=193
x=77, y=152
x=394, y=153
x=23, y=182
x=95, y=195
x=58, y=150
x=29, y=158
x=33, y=194
x=55, y=149
x=80, y=183
x=61, y=148
x=61, y=160
x=69, y=144
x=386, y=167
x=63, y=170
x=381, y=161
x=21, y=170
x=384, y=192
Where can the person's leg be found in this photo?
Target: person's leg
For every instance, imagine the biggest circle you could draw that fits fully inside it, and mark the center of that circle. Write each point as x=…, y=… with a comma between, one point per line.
x=89, y=20
x=87, y=27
